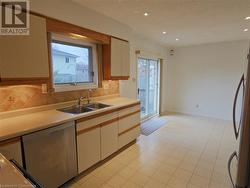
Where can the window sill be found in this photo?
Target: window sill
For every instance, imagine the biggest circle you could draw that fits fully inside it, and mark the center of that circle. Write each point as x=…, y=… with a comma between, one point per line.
x=63, y=88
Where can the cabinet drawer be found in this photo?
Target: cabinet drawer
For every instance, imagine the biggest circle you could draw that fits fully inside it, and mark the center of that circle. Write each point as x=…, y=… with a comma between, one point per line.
x=127, y=111
x=95, y=121
x=127, y=122
x=129, y=136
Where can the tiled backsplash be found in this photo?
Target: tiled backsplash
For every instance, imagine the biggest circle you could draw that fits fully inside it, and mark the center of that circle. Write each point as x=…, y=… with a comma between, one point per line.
x=25, y=96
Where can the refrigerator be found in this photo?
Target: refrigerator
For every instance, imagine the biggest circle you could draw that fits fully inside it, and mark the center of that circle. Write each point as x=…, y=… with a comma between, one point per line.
x=242, y=134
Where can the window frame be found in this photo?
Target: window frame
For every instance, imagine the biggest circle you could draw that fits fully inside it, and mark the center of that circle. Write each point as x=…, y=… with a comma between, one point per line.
x=93, y=57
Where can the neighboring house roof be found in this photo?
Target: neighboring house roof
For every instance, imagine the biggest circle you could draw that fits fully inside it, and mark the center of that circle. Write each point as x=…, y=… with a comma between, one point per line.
x=59, y=52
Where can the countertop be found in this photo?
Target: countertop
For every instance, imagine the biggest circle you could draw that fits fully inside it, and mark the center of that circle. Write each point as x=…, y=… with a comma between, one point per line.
x=10, y=176
x=15, y=126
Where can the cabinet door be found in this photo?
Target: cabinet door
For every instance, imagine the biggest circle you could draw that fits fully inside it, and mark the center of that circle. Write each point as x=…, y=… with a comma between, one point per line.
x=109, y=139
x=11, y=149
x=125, y=59
x=25, y=57
x=116, y=57
x=88, y=148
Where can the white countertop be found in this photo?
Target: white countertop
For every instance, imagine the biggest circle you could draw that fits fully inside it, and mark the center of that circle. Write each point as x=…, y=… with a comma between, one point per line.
x=15, y=126
x=10, y=176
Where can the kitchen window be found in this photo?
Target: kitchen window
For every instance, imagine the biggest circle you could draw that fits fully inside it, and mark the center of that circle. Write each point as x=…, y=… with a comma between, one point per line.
x=74, y=63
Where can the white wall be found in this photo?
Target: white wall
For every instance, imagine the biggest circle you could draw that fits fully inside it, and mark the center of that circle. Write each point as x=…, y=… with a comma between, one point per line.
x=129, y=88
x=205, y=75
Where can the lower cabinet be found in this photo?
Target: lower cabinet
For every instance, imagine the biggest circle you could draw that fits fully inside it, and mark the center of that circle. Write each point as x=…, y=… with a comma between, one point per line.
x=129, y=125
x=11, y=149
x=100, y=136
x=88, y=148
x=109, y=139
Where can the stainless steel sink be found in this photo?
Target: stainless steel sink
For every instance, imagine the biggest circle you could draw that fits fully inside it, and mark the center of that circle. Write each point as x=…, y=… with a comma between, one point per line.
x=76, y=109
x=96, y=106
x=84, y=108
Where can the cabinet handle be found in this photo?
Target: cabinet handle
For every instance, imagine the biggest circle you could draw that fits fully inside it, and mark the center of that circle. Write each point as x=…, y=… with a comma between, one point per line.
x=236, y=130
x=234, y=154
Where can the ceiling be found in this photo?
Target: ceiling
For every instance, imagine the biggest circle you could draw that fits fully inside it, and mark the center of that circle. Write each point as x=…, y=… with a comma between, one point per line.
x=191, y=21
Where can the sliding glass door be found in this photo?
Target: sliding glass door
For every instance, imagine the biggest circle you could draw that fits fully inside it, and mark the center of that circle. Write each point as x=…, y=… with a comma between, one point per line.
x=148, y=86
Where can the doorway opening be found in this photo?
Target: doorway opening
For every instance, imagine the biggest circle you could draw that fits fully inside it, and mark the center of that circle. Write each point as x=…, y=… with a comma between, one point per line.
x=148, y=87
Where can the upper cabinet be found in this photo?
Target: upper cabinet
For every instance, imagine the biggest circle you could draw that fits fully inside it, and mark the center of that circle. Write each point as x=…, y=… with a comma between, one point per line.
x=116, y=64
x=24, y=58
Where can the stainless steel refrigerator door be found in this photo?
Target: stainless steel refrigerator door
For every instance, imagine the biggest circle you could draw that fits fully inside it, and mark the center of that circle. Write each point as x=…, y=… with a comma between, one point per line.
x=244, y=150
x=50, y=155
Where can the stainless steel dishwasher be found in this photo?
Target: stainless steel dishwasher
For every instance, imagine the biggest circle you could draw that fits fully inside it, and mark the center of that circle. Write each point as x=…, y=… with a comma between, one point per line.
x=50, y=155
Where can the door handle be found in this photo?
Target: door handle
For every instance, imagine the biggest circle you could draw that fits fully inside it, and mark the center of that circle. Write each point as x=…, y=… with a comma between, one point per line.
x=236, y=130
x=233, y=155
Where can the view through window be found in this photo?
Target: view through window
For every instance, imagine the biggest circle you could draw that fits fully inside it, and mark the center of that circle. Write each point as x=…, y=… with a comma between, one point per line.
x=72, y=63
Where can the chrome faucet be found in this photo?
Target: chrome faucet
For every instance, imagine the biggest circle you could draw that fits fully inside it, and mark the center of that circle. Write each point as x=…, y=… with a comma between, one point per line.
x=80, y=100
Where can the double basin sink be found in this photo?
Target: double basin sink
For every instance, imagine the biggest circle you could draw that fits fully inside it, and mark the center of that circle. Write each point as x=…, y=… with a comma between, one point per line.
x=83, y=108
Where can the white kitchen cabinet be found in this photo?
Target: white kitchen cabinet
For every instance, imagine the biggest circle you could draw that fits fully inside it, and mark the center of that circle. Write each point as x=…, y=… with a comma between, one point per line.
x=116, y=60
x=11, y=149
x=88, y=148
x=97, y=138
x=129, y=136
x=109, y=139
x=128, y=125
x=25, y=57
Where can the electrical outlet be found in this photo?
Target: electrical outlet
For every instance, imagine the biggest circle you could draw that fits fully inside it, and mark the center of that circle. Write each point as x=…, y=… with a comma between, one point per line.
x=44, y=88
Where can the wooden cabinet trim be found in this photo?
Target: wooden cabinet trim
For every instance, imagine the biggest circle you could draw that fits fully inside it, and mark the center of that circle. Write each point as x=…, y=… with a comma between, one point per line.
x=10, y=141
x=107, y=62
x=98, y=126
x=57, y=26
x=131, y=128
x=108, y=122
x=87, y=130
x=130, y=114
x=106, y=112
x=21, y=81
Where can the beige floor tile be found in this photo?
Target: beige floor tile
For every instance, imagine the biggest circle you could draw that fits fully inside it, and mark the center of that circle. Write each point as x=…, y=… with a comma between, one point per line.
x=176, y=182
x=116, y=181
x=139, y=179
x=130, y=184
x=154, y=184
x=161, y=176
x=199, y=181
x=92, y=182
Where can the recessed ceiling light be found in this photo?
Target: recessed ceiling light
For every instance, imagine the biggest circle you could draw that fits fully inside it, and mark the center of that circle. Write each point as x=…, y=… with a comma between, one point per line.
x=145, y=14
x=164, y=32
x=247, y=18
x=245, y=30
x=176, y=39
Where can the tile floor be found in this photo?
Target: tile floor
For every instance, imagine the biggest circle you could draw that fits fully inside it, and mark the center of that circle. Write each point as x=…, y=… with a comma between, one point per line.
x=188, y=152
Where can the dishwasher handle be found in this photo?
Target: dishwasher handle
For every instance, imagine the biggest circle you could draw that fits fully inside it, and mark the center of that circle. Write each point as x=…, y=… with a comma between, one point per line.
x=26, y=174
